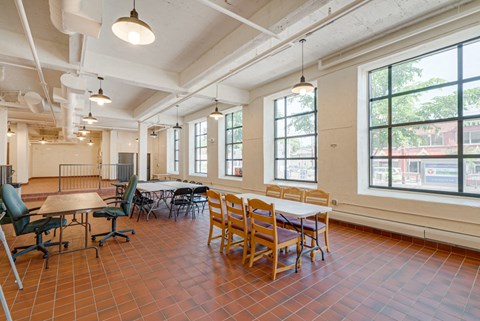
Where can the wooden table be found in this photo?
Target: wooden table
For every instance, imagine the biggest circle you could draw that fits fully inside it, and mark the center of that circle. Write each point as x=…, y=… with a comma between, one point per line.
x=69, y=204
x=293, y=209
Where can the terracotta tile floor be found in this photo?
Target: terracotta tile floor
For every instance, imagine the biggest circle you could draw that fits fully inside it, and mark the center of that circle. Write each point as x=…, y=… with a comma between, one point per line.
x=167, y=271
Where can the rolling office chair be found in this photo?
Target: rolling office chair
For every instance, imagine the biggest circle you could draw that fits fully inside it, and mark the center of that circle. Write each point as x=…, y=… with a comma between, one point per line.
x=113, y=212
x=19, y=215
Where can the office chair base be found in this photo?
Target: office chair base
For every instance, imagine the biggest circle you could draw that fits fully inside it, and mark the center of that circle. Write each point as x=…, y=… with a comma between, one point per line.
x=37, y=247
x=113, y=234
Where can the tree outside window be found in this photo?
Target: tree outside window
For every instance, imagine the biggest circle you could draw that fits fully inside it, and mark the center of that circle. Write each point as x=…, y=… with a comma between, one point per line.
x=233, y=144
x=200, y=148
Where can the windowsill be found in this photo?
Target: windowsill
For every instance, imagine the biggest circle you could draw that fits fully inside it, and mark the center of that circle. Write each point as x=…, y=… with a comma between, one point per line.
x=232, y=178
x=295, y=184
x=173, y=173
x=197, y=175
x=422, y=197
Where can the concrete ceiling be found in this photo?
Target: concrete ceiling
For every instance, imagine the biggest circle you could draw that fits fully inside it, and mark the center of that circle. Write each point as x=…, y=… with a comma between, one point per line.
x=195, y=46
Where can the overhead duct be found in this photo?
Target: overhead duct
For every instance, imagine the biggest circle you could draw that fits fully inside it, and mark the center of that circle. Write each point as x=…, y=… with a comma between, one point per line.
x=35, y=102
x=68, y=115
x=77, y=16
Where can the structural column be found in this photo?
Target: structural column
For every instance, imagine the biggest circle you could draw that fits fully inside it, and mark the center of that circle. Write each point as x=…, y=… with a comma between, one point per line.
x=3, y=135
x=142, y=151
x=23, y=155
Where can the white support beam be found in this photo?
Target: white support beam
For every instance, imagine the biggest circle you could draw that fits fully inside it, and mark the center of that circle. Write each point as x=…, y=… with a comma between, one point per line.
x=225, y=94
x=3, y=135
x=153, y=105
x=142, y=151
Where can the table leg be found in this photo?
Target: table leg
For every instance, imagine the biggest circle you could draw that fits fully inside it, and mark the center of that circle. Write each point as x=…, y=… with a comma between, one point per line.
x=12, y=264
x=301, y=245
x=5, y=305
x=316, y=238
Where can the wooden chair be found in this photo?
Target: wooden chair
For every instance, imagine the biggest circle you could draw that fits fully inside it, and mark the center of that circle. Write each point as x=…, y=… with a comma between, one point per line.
x=293, y=194
x=322, y=198
x=273, y=191
x=264, y=231
x=217, y=218
x=238, y=224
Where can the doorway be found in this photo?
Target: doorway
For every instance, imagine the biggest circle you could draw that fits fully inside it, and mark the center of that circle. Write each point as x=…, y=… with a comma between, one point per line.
x=124, y=172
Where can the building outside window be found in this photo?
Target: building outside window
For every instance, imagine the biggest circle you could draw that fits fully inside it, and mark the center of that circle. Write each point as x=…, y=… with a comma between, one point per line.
x=176, y=149
x=200, y=143
x=233, y=144
x=295, y=137
x=424, y=122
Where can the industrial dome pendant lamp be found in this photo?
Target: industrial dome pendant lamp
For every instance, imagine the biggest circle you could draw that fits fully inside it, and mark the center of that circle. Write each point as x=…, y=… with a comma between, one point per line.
x=89, y=119
x=153, y=134
x=302, y=87
x=11, y=133
x=177, y=126
x=133, y=30
x=100, y=98
x=216, y=114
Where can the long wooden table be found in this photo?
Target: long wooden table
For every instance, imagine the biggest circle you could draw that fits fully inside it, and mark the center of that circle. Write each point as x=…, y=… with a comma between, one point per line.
x=69, y=204
x=293, y=209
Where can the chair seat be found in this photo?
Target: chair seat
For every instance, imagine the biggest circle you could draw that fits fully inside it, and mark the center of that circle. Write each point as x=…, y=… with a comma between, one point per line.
x=218, y=220
x=283, y=234
x=308, y=225
x=240, y=227
x=109, y=212
x=43, y=225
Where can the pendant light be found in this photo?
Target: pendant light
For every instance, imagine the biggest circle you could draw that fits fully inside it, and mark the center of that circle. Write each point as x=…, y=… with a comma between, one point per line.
x=100, y=98
x=90, y=143
x=216, y=114
x=302, y=87
x=153, y=134
x=133, y=30
x=43, y=141
x=11, y=133
x=80, y=137
x=84, y=131
x=90, y=119
x=177, y=126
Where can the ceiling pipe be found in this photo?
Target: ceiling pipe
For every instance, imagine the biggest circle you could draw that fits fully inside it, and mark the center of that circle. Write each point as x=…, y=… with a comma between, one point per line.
x=332, y=17
x=28, y=34
x=235, y=16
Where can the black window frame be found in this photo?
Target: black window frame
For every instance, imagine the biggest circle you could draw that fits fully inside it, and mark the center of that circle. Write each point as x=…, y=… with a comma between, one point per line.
x=176, y=150
x=197, y=149
x=460, y=119
x=276, y=138
x=229, y=131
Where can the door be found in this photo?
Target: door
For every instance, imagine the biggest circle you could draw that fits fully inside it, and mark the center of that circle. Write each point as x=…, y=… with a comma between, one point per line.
x=125, y=166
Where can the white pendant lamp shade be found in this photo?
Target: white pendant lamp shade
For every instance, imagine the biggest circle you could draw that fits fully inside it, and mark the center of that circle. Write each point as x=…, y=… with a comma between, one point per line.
x=90, y=143
x=133, y=30
x=100, y=98
x=84, y=131
x=216, y=114
x=302, y=87
x=43, y=141
x=89, y=119
x=10, y=133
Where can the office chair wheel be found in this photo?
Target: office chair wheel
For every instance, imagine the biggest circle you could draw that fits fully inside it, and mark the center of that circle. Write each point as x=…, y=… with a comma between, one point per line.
x=100, y=243
x=128, y=239
x=133, y=232
x=65, y=246
x=93, y=238
x=14, y=251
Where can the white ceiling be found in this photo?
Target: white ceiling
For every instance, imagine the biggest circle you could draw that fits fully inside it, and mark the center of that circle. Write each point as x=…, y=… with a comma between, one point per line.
x=194, y=46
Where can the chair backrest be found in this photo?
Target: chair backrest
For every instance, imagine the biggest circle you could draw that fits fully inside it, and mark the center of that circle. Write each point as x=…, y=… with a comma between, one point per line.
x=237, y=215
x=215, y=206
x=266, y=225
x=129, y=193
x=185, y=180
x=15, y=208
x=293, y=194
x=200, y=189
x=318, y=197
x=178, y=179
x=273, y=191
x=182, y=192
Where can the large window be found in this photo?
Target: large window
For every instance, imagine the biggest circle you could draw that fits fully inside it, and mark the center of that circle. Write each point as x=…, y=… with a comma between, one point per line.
x=425, y=122
x=233, y=144
x=200, y=148
x=176, y=149
x=296, y=138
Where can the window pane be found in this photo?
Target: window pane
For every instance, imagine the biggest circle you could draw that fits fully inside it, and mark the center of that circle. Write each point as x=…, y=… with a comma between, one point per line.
x=203, y=141
x=237, y=119
x=471, y=63
x=280, y=169
x=229, y=152
x=280, y=108
x=229, y=168
x=379, y=142
x=280, y=148
x=379, y=112
x=424, y=72
x=379, y=83
x=237, y=135
x=379, y=172
x=301, y=125
x=428, y=139
x=303, y=170
x=428, y=105
x=203, y=153
x=203, y=167
x=237, y=151
x=471, y=182
x=228, y=135
x=298, y=104
x=471, y=98
x=301, y=147
x=280, y=128
x=228, y=119
x=237, y=168
x=471, y=136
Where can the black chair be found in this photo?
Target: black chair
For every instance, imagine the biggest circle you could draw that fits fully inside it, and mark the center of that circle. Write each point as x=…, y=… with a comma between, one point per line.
x=113, y=212
x=182, y=197
x=142, y=202
x=199, y=196
x=20, y=215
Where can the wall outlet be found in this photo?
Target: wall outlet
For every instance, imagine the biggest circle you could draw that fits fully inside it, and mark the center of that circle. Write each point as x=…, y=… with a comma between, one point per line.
x=334, y=202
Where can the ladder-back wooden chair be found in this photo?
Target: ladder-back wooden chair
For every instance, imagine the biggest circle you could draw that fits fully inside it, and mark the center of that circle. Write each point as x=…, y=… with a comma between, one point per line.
x=264, y=231
x=238, y=224
x=273, y=191
x=217, y=218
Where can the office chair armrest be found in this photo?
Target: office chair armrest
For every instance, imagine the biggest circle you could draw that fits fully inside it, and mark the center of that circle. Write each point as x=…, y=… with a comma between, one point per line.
x=34, y=209
x=26, y=215
x=113, y=198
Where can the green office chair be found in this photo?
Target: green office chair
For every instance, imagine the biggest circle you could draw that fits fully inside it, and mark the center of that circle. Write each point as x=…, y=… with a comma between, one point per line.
x=112, y=212
x=19, y=215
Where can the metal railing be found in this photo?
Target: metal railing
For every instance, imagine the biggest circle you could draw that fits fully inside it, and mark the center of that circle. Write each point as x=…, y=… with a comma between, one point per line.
x=92, y=176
